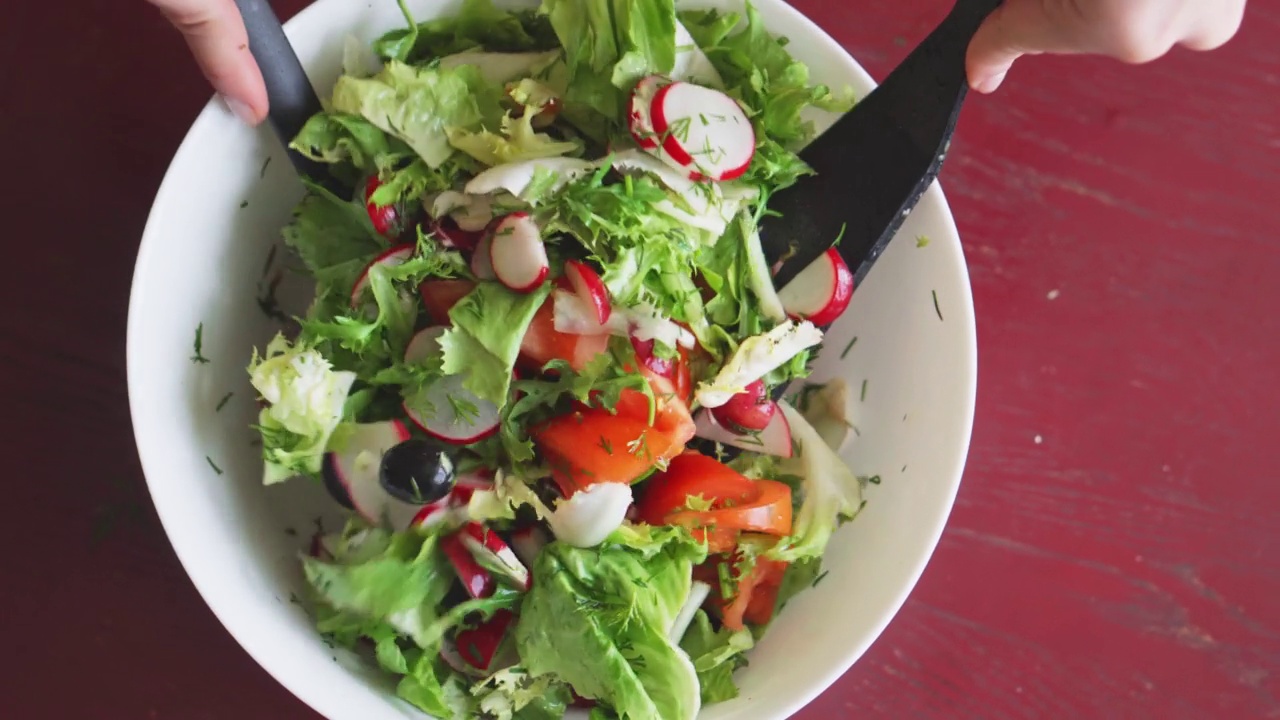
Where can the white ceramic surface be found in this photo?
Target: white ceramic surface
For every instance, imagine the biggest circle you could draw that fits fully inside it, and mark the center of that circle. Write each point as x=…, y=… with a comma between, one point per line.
x=200, y=261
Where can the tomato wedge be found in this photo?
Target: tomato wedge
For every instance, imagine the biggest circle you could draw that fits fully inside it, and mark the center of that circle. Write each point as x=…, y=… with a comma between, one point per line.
x=439, y=297
x=754, y=597
x=688, y=476
x=543, y=343
x=697, y=491
x=594, y=446
x=768, y=512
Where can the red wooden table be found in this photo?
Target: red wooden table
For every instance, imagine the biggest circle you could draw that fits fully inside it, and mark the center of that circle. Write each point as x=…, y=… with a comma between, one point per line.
x=1115, y=549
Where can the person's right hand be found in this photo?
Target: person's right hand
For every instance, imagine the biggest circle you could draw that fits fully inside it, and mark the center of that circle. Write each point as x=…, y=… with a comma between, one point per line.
x=215, y=33
x=1135, y=31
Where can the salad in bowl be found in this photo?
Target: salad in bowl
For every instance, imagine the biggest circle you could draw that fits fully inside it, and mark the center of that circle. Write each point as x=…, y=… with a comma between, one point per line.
x=540, y=363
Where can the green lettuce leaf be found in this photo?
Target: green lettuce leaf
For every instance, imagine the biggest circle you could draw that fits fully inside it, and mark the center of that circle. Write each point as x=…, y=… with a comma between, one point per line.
x=598, y=619
x=830, y=492
x=609, y=45
x=513, y=694
x=484, y=341
x=418, y=105
x=759, y=70
x=333, y=137
x=433, y=687
x=333, y=237
x=517, y=141
x=401, y=582
x=716, y=655
x=305, y=402
x=478, y=24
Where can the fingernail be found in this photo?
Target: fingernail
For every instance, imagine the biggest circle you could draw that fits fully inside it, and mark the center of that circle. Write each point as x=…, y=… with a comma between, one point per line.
x=991, y=82
x=240, y=110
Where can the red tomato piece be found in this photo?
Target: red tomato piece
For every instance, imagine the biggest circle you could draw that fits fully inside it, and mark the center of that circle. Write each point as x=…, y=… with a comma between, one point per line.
x=769, y=512
x=543, y=343
x=439, y=296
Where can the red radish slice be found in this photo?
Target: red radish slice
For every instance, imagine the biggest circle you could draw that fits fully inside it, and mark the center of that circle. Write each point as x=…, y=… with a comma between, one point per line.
x=390, y=258
x=356, y=467
x=449, y=653
x=749, y=411
x=385, y=218
x=638, y=120
x=445, y=409
x=821, y=292
x=492, y=552
x=479, y=646
x=774, y=440
x=452, y=236
x=466, y=485
x=519, y=258
x=586, y=282
x=437, y=513
x=482, y=259
x=527, y=543
x=704, y=129
x=645, y=354
x=477, y=581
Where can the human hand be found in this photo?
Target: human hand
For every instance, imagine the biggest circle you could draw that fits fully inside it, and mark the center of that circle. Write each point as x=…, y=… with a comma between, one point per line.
x=216, y=35
x=1134, y=31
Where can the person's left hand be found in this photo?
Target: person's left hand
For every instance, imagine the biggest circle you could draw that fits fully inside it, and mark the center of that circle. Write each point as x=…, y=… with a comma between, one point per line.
x=215, y=33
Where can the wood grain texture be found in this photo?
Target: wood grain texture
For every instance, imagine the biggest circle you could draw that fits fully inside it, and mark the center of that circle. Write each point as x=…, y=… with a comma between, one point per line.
x=1114, y=552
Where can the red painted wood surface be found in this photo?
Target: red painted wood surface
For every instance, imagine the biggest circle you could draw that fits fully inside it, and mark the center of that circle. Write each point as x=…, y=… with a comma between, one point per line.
x=1114, y=551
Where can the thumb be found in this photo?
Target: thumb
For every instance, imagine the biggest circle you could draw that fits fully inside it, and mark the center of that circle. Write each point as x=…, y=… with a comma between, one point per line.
x=216, y=35
x=1017, y=28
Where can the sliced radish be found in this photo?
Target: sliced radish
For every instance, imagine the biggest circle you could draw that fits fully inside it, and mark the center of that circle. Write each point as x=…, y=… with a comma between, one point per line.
x=527, y=543
x=356, y=466
x=482, y=259
x=390, y=258
x=774, y=440
x=698, y=593
x=586, y=282
x=445, y=409
x=477, y=581
x=704, y=129
x=516, y=251
x=437, y=513
x=492, y=552
x=587, y=518
x=385, y=218
x=821, y=292
x=645, y=354
x=749, y=411
x=479, y=646
x=638, y=119
x=466, y=485
x=449, y=653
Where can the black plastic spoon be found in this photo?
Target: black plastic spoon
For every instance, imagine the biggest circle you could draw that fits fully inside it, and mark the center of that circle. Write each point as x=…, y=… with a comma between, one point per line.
x=292, y=100
x=877, y=160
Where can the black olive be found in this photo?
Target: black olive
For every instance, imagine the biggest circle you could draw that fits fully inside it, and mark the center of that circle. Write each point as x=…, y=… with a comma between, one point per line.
x=416, y=471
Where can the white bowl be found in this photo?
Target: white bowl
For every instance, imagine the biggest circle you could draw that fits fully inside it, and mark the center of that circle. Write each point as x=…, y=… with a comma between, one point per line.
x=200, y=261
